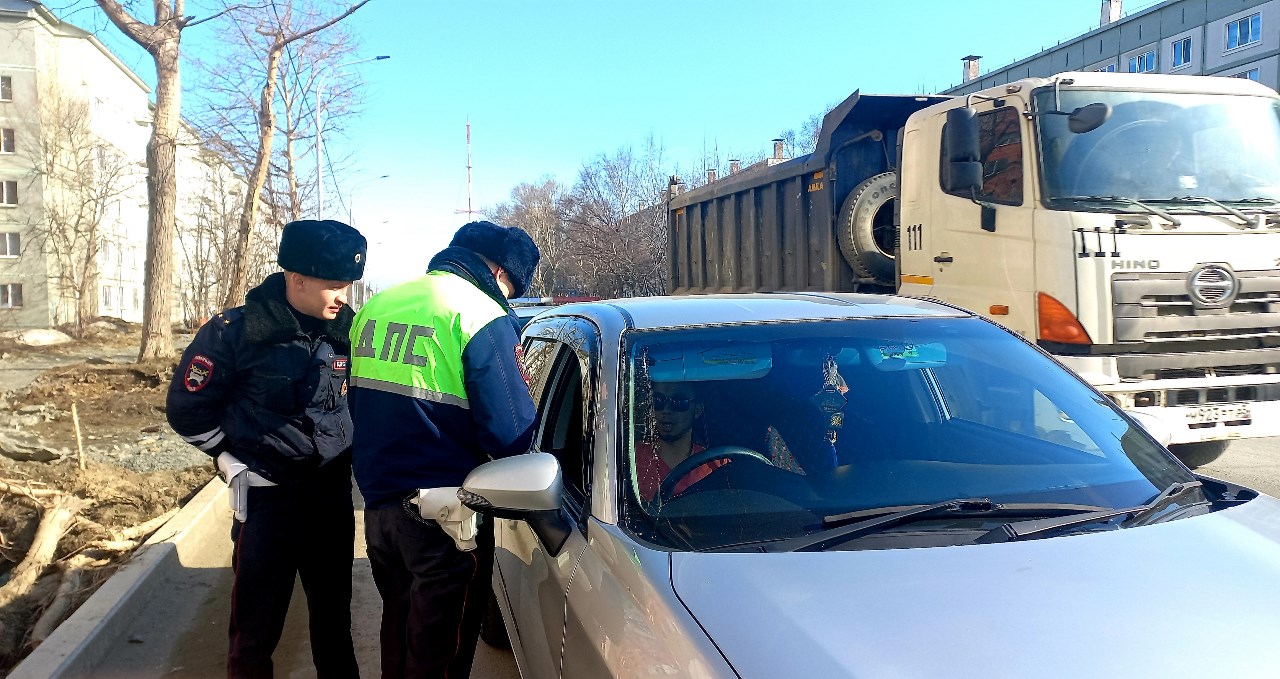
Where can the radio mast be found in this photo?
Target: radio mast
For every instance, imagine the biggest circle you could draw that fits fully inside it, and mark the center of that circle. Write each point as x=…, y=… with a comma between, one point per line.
x=468, y=211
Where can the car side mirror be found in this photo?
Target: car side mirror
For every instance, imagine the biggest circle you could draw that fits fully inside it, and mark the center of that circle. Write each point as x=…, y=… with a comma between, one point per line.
x=523, y=487
x=514, y=486
x=1153, y=425
x=1088, y=118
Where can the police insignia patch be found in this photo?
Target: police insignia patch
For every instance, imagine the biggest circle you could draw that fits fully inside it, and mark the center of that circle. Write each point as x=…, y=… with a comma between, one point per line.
x=198, y=373
x=524, y=372
x=340, y=364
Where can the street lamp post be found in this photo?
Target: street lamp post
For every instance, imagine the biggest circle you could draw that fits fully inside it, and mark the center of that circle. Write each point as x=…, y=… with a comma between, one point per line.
x=351, y=208
x=320, y=128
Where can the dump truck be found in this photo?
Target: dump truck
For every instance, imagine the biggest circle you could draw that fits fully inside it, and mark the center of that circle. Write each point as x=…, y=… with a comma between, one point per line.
x=1128, y=224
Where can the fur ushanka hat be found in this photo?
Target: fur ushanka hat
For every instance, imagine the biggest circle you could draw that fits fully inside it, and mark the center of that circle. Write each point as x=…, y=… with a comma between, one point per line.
x=324, y=249
x=507, y=246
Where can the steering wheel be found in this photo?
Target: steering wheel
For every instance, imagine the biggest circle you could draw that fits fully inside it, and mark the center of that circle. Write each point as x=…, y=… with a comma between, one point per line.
x=1124, y=175
x=666, y=490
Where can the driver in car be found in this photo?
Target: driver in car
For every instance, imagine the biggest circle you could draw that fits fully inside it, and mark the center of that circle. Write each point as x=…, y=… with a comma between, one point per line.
x=674, y=408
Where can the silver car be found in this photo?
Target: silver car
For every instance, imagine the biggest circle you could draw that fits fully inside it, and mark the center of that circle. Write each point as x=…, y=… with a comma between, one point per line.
x=827, y=485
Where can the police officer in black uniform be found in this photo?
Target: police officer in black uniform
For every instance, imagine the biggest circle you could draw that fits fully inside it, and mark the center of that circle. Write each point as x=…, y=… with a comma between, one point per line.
x=263, y=389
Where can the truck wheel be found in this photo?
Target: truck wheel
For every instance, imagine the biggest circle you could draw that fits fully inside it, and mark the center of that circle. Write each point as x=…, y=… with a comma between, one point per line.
x=1198, y=454
x=866, y=231
x=492, y=629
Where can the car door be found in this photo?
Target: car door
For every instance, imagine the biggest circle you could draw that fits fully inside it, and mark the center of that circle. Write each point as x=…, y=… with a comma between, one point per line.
x=535, y=581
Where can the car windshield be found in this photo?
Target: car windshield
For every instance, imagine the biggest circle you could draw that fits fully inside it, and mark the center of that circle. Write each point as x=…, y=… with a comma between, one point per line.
x=740, y=435
x=1161, y=146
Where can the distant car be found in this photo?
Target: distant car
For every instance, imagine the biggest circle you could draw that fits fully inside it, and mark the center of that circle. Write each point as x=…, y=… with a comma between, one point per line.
x=887, y=487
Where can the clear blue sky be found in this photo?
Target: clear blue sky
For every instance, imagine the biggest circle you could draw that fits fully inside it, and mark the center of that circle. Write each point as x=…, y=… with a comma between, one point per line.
x=549, y=85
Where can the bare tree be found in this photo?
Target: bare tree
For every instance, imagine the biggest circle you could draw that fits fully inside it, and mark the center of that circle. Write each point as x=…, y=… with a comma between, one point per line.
x=281, y=34
x=83, y=175
x=229, y=101
x=616, y=218
x=205, y=243
x=161, y=40
x=537, y=208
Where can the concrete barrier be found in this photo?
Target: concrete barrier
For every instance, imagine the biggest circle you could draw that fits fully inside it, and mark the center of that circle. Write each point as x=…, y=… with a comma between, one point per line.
x=197, y=537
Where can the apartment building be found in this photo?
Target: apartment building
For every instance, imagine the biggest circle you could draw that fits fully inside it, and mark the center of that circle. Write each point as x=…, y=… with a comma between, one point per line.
x=1234, y=38
x=74, y=126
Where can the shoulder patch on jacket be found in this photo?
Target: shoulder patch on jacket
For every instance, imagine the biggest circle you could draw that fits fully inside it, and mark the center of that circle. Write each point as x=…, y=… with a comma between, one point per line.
x=524, y=372
x=199, y=370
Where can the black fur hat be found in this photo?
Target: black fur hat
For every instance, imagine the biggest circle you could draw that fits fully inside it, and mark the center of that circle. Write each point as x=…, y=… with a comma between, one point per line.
x=323, y=249
x=508, y=246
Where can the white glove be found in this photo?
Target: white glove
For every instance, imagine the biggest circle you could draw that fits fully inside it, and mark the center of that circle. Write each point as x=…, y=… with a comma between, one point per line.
x=443, y=506
x=233, y=471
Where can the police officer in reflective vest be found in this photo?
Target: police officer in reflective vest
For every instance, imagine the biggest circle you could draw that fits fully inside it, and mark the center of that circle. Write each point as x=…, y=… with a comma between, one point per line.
x=263, y=390
x=436, y=390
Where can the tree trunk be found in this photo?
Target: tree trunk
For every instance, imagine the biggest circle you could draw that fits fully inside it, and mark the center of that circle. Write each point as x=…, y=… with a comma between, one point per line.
x=257, y=179
x=56, y=520
x=162, y=193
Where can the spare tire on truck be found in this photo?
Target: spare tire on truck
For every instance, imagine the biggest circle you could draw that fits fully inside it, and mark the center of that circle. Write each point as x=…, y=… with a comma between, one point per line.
x=866, y=231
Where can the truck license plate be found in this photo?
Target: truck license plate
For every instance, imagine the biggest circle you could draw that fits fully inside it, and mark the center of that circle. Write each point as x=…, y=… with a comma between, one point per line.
x=1226, y=412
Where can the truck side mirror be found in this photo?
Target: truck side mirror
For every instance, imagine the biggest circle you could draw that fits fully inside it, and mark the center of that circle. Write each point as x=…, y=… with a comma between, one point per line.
x=1088, y=118
x=961, y=136
x=961, y=168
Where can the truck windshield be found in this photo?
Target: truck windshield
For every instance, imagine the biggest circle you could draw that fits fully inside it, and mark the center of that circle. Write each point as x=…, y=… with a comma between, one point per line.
x=745, y=435
x=1162, y=147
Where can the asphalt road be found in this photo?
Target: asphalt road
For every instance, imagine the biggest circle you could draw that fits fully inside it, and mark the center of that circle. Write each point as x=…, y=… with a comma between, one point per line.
x=1250, y=462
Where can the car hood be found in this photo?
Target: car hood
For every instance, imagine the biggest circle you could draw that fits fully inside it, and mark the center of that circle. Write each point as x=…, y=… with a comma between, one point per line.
x=1193, y=597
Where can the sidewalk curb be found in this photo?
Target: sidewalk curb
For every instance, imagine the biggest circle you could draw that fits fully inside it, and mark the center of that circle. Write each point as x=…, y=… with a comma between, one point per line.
x=195, y=537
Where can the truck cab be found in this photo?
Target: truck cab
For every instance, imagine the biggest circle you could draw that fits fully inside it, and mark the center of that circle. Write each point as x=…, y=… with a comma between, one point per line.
x=1130, y=224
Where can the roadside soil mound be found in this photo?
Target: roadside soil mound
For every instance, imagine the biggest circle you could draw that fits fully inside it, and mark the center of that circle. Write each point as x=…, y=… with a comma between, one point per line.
x=63, y=528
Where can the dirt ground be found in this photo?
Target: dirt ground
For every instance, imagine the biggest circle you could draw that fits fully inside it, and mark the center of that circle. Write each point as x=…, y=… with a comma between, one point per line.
x=136, y=468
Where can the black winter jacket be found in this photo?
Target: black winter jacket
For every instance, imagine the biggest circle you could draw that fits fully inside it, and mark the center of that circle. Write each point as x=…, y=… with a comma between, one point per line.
x=254, y=384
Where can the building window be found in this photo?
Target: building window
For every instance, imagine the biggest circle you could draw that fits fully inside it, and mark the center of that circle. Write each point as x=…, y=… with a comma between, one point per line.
x=1109, y=68
x=1143, y=63
x=9, y=192
x=1244, y=31
x=8, y=144
x=10, y=295
x=1251, y=74
x=1181, y=53
x=106, y=296
x=6, y=88
x=10, y=244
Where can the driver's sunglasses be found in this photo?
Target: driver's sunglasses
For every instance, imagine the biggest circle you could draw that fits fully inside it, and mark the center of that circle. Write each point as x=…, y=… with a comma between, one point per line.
x=678, y=405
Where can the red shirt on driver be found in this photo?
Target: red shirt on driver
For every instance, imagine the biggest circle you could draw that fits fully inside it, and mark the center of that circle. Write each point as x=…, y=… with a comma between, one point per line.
x=651, y=470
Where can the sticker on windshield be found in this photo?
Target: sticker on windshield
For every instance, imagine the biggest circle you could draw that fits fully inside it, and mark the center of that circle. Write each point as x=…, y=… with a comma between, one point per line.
x=898, y=351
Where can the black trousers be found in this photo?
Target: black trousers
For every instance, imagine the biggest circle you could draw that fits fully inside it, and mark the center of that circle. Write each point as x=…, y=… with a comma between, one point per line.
x=433, y=595
x=308, y=531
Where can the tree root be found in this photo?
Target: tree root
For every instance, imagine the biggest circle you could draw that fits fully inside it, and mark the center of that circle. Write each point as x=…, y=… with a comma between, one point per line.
x=55, y=522
x=77, y=573
x=77, y=578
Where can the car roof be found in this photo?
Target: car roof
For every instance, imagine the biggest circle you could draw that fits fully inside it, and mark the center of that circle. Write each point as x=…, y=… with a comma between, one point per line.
x=702, y=310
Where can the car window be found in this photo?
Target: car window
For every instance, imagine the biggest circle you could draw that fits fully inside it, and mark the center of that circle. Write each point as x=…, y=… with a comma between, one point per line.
x=560, y=350
x=800, y=422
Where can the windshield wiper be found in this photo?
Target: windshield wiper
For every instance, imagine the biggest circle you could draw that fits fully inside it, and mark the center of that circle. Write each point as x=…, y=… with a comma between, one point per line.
x=1173, y=221
x=1205, y=199
x=1026, y=529
x=888, y=517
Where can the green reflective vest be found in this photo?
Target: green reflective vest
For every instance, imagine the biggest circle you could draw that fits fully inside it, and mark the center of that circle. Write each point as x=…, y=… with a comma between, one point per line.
x=409, y=338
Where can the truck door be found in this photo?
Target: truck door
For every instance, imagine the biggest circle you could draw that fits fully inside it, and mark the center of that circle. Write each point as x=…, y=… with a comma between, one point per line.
x=916, y=189
x=983, y=255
